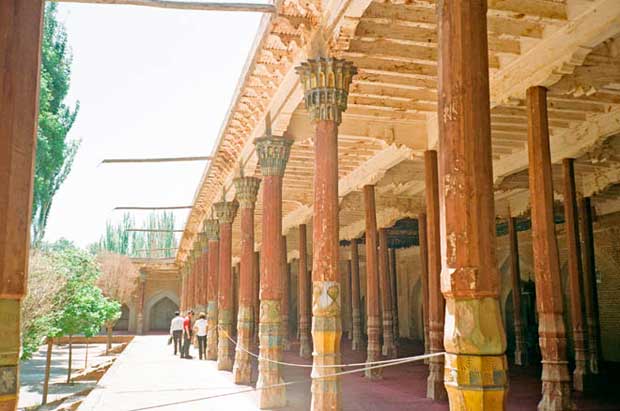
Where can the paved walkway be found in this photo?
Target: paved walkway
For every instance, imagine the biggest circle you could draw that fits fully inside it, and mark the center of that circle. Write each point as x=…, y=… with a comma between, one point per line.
x=148, y=376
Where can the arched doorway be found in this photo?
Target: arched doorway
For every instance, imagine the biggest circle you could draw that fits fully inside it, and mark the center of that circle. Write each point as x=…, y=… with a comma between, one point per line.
x=161, y=313
x=123, y=322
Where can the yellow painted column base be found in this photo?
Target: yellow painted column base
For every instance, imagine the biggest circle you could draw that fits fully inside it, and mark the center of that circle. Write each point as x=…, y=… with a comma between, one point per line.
x=476, y=382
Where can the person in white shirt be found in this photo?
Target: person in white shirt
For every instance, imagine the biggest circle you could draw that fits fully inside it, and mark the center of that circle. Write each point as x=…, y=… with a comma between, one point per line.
x=200, y=328
x=176, y=331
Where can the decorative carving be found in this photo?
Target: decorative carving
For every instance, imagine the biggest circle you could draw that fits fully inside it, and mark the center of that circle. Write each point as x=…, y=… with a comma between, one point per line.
x=273, y=153
x=326, y=84
x=8, y=380
x=246, y=190
x=226, y=211
x=325, y=299
x=212, y=229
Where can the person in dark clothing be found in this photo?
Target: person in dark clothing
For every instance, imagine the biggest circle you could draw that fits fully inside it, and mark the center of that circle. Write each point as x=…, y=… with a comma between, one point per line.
x=187, y=335
x=200, y=328
x=176, y=331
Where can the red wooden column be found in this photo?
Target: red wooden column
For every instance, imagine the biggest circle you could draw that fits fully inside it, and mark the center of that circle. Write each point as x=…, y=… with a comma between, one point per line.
x=389, y=348
x=183, y=287
x=356, y=342
x=589, y=285
x=474, y=338
x=373, y=310
x=246, y=192
x=394, y=291
x=212, y=231
x=305, y=347
x=204, y=271
x=20, y=43
x=515, y=276
x=273, y=153
x=581, y=374
x=197, y=273
x=286, y=345
x=326, y=84
x=141, y=292
x=422, y=237
x=346, y=297
x=225, y=211
x=435, y=386
x=556, y=388
x=255, y=299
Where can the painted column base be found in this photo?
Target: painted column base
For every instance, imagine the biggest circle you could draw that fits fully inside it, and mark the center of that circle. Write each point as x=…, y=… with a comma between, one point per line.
x=476, y=382
x=326, y=337
x=373, y=350
x=225, y=356
x=581, y=373
x=435, y=388
x=270, y=349
x=9, y=353
x=305, y=348
x=426, y=348
x=520, y=354
x=356, y=342
x=212, y=340
x=242, y=369
x=556, y=395
x=286, y=344
x=389, y=347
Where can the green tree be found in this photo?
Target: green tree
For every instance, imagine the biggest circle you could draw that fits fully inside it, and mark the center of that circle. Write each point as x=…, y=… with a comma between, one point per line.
x=55, y=154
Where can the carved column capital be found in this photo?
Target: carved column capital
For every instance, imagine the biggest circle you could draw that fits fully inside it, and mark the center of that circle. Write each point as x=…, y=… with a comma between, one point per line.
x=273, y=153
x=226, y=211
x=326, y=84
x=246, y=190
x=212, y=229
x=142, y=276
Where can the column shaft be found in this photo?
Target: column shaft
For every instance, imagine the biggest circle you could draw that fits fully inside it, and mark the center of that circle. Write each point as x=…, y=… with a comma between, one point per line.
x=305, y=348
x=212, y=290
x=141, y=292
x=373, y=311
x=286, y=345
x=20, y=43
x=589, y=286
x=515, y=276
x=256, y=290
x=346, y=297
x=389, y=348
x=474, y=337
x=356, y=343
x=551, y=333
x=394, y=291
x=436, y=305
x=422, y=230
x=326, y=295
x=225, y=211
x=575, y=282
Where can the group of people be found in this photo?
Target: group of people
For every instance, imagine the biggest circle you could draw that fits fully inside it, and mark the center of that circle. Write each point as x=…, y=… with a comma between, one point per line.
x=182, y=331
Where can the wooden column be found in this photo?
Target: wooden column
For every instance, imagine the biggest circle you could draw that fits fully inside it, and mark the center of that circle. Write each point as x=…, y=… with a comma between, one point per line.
x=435, y=386
x=394, y=292
x=204, y=271
x=212, y=231
x=286, y=344
x=273, y=153
x=581, y=373
x=356, y=343
x=20, y=43
x=389, y=348
x=141, y=292
x=305, y=348
x=422, y=230
x=373, y=310
x=183, y=288
x=346, y=296
x=474, y=337
x=326, y=83
x=225, y=211
x=556, y=393
x=246, y=193
x=589, y=286
x=515, y=276
x=256, y=289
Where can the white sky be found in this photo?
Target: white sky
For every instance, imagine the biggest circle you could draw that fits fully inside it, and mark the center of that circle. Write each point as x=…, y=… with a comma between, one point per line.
x=151, y=83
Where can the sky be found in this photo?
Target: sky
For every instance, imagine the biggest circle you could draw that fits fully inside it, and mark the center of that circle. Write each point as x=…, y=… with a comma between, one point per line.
x=151, y=83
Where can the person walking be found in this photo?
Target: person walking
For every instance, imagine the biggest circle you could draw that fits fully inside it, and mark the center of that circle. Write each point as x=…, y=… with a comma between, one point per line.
x=187, y=335
x=200, y=328
x=176, y=331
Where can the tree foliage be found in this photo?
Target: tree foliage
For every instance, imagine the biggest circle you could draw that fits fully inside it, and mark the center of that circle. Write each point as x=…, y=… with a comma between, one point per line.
x=119, y=277
x=140, y=244
x=55, y=154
